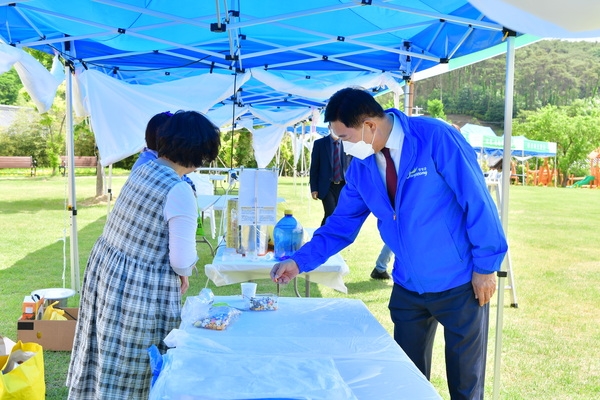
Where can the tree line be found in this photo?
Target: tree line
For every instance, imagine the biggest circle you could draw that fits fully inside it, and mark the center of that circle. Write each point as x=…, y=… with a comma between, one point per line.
x=555, y=98
x=548, y=72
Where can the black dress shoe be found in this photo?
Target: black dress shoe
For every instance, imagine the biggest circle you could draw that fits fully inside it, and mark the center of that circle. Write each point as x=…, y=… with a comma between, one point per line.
x=379, y=275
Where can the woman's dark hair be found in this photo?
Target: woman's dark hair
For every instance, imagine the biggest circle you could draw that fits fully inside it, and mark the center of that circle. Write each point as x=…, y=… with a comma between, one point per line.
x=152, y=129
x=189, y=139
x=351, y=106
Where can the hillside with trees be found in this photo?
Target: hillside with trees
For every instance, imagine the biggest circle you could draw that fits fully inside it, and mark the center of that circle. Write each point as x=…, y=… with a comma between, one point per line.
x=549, y=72
x=556, y=98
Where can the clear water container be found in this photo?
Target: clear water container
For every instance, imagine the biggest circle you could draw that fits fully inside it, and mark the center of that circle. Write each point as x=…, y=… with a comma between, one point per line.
x=288, y=236
x=253, y=240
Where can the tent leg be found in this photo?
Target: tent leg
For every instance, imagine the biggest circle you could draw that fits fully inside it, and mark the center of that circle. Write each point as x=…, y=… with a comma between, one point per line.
x=496, y=188
x=74, y=247
x=511, y=281
x=508, y=106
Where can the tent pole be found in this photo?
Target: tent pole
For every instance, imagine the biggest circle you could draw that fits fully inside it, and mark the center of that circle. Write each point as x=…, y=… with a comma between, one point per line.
x=75, y=285
x=294, y=150
x=555, y=173
x=407, y=109
x=523, y=169
x=508, y=106
x=234, y=102
x=109, y=189
x=301, y=155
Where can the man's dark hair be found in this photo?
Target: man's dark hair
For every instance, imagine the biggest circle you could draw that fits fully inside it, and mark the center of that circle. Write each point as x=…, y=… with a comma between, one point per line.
x=351, y=106
x=188, y=138
x=152, y=129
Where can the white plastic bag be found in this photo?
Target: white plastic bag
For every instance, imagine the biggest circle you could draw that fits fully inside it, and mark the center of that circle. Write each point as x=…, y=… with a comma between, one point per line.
x=196, y=307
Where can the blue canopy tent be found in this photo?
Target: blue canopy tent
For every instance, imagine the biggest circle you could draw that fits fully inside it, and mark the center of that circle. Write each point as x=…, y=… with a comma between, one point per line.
x=253, y=59
x=267, y=55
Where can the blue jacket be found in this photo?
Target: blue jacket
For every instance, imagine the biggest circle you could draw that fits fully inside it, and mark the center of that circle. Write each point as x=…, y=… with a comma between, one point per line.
x=444, y=224
x=145, y=156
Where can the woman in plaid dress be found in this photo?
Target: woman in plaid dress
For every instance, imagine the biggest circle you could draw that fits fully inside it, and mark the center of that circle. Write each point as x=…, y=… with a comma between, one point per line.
x=139, y=267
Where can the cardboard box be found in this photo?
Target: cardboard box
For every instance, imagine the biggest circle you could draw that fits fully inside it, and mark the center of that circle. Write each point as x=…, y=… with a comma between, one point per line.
x=31, y=307
x=52, y=335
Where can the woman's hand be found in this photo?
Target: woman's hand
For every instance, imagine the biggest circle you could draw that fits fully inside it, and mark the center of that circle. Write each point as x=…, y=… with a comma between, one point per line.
x=185, y=284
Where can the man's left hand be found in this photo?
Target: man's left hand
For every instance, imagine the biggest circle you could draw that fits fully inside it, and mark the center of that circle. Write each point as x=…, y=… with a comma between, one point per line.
x=484, y=286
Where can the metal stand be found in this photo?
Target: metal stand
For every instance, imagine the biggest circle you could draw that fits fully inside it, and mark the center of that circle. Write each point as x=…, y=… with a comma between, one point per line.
x=511, y=281
x=495, y=187
x=296, y=291
x=202, y=238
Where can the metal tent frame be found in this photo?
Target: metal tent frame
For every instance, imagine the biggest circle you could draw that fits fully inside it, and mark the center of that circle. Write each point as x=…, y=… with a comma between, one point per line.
x=299, y=45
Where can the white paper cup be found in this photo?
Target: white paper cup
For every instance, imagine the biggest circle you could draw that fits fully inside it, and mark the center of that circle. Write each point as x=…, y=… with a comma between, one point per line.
x=248, y=291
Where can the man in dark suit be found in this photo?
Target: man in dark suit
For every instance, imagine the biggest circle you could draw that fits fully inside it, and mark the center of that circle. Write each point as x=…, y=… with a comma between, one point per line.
x=327, y=171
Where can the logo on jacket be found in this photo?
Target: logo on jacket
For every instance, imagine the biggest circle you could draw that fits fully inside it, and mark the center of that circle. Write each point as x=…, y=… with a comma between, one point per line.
x=422, y=171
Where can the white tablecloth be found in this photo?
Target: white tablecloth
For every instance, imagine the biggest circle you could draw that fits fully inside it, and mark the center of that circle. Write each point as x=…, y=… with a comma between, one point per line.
x=310, y=348
x=228, y=267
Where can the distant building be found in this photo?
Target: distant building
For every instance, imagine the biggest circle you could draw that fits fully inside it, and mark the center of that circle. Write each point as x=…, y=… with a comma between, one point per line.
x=8, y=114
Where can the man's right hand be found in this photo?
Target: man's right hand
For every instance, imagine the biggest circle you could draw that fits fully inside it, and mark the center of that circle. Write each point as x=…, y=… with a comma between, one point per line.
x=315, y=195
x=283, y=272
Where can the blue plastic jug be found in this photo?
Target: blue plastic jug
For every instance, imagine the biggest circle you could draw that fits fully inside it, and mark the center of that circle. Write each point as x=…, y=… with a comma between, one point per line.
x=288, y=236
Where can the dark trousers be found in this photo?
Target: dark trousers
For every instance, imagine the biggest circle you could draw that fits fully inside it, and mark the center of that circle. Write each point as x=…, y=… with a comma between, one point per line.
x=415, y=318
x=331, y=199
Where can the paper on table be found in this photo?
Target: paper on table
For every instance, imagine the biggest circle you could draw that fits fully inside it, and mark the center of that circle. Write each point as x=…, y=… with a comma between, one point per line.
x=257, y=377
x=257, y=197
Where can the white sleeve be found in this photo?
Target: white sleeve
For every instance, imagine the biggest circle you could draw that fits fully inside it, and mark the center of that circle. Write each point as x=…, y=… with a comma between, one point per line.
x=181, y=213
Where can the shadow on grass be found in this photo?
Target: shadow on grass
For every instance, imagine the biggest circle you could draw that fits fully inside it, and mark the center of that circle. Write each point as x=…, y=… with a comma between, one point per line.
x=43, y=269
x=369, y=285
x=32, y=206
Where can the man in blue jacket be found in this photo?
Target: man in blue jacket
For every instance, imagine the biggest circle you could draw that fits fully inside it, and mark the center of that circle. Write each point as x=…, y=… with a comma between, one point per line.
x=438, y=219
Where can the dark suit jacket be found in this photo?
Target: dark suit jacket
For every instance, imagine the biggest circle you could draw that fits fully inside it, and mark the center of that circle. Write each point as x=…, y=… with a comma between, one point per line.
x=321, y=165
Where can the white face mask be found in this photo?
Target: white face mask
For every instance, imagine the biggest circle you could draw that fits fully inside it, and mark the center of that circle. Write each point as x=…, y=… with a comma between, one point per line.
x=360, y=149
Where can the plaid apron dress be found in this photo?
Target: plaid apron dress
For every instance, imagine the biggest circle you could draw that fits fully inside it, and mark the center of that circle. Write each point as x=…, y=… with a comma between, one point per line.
x=130, y=297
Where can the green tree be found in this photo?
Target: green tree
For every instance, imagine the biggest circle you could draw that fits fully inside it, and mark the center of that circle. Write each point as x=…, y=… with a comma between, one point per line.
x=386, y=101
x=25, y=137
x=551, y=72
x=574, y=128
x=243, y=153
x=435, y=108
x=9, y=87
x=42, y=136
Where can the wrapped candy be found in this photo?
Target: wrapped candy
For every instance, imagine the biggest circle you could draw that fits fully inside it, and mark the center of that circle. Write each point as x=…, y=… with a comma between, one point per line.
x=264, y=302
x=218, y=318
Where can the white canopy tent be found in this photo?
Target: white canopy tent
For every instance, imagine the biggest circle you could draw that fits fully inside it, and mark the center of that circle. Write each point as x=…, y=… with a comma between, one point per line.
x=484, y=140
x=486, y=143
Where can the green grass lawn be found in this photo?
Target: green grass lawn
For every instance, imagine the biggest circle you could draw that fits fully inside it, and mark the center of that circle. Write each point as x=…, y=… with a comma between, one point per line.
x=549, y=348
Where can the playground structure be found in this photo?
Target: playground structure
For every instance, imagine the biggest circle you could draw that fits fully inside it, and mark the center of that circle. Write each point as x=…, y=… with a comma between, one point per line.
x=547, y=174
x=544, y=175
x=593, y=179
